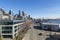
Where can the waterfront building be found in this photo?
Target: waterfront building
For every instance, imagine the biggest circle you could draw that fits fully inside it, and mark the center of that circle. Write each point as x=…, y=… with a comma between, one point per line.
x=51, y=24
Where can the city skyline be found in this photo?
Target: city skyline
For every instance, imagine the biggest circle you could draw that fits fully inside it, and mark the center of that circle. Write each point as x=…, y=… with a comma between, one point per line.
x=35, y=8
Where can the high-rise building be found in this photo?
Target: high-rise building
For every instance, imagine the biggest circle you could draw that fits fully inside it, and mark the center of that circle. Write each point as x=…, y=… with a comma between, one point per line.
x=19, y=13
x=9, y=12
x=11, y=15
x=28, y=16
x=23, y=13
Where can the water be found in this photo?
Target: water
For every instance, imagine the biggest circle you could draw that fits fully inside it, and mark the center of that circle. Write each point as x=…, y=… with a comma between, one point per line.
x=54, y=21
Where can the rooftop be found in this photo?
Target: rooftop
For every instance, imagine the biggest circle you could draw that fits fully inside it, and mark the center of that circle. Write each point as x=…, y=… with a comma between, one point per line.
x=11, y=22
x=56, y=21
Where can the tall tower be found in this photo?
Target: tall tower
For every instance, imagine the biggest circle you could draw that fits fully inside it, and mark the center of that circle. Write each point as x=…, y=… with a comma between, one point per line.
x=19, y=13
x=23, y=13
x=11, y=15
x=9, y=12
x=29, y=16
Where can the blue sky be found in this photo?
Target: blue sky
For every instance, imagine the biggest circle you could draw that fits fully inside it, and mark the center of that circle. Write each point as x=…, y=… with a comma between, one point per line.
x=36, y=8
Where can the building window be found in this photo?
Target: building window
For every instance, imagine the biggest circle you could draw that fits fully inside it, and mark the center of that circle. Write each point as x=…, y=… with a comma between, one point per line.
x=7, y=36
x=15, y=30
x=45, y=26
x=15, y=27
x=6, y=27
x=6, y=31
x=14, y=34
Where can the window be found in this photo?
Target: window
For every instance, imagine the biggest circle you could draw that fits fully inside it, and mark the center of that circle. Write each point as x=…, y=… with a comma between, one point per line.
x=6, y=31
x=15, y=27
x=14, y=34
x=45, y=26
x=15, y=30
x=6, y=27
x=7, y=36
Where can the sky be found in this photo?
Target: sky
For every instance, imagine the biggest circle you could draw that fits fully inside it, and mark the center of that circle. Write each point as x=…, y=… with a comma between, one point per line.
x=34, y=8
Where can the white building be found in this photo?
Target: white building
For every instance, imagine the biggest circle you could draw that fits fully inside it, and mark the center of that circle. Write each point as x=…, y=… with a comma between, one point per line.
x=53, y=24
x=10, y=29
x=3, y=15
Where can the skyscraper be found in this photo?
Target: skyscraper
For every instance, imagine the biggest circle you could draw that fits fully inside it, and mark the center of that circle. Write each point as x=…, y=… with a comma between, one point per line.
x=9, y=12
x=23, y=13
x=10, y=15
x=19, y=13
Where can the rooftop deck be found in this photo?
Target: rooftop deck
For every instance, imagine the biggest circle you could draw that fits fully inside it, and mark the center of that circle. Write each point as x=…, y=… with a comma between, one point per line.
x=11, y=22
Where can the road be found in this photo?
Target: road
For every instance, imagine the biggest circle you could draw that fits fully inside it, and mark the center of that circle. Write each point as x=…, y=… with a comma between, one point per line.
x=34, y=34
